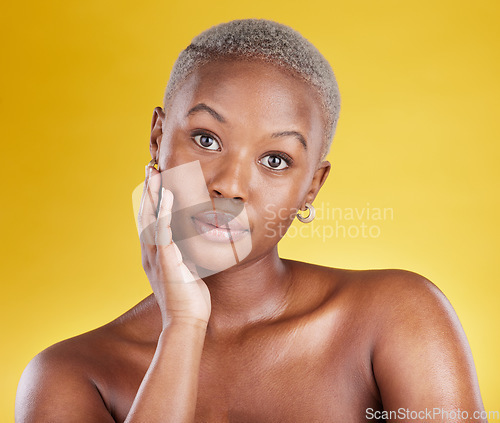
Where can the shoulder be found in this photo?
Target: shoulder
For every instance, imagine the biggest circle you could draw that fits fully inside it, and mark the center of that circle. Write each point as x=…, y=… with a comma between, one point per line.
x=373, y=302
x=383, y=293
x=68, y=359
x=386, y=293
x=419, y=351
x=420, y=356
x=58, y=384
x=396, y=291
x=394, y=309
x=396, y=304
x=400, y=300
x=65, y=382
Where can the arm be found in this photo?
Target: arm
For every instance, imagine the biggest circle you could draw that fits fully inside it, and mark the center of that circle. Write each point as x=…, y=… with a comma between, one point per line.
x=55, y=388
x=168, y=392
x=422, y=361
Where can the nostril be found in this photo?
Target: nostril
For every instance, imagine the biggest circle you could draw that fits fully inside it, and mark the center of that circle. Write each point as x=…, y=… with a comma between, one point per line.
x=219, y=194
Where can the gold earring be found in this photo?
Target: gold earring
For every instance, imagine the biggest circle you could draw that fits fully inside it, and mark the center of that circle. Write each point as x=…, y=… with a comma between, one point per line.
x=151, y=163
x=310, y=217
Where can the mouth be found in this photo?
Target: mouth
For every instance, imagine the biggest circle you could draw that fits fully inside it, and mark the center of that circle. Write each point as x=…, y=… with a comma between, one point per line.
x=219, y=226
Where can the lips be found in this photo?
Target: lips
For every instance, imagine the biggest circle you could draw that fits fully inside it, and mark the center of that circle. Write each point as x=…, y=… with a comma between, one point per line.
x=219, y=226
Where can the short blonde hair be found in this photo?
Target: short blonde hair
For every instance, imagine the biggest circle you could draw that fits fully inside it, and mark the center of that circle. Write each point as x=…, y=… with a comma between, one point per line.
x=263, y=39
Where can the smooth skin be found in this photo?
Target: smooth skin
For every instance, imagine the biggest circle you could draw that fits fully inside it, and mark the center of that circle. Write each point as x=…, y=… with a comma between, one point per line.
x=268, y=340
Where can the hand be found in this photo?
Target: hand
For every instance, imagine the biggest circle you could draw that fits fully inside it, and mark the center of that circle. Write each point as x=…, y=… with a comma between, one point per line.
x=181, y=294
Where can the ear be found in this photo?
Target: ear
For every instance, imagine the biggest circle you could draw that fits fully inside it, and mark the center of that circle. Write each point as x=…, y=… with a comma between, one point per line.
x=318, y=180
x=156, y=133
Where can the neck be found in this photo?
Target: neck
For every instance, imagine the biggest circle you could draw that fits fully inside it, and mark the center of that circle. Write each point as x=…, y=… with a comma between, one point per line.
x=247, y=293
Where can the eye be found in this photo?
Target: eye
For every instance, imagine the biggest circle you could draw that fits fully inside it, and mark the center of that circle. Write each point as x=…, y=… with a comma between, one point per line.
x=206, y=141
x=276, y=161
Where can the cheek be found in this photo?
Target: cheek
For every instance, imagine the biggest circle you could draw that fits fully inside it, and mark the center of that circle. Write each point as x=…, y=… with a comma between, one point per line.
x=173, y=153
x=274, y=218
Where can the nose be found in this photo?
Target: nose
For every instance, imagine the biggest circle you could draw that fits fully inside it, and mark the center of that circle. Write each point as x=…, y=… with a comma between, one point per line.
x=229, y=177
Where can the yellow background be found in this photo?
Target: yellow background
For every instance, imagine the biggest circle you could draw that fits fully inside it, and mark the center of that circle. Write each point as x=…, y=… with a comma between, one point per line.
x=418, y=133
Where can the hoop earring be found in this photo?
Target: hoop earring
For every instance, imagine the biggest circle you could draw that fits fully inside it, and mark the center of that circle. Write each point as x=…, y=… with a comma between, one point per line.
x=151, y=163
x=310, y=217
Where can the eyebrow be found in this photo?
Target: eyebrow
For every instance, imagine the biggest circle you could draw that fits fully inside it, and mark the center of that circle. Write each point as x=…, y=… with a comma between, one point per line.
x=203, y=107
x=295, y=134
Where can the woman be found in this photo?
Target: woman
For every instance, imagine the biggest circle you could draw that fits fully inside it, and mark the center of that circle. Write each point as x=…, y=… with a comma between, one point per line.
x=232, y=332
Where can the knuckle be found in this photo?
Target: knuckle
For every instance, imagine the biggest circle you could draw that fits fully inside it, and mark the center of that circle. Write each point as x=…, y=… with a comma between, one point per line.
x=167, y=255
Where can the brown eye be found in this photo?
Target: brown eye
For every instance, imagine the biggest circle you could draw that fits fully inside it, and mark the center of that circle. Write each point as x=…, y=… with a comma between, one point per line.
x=206, y=141
x=274, y=162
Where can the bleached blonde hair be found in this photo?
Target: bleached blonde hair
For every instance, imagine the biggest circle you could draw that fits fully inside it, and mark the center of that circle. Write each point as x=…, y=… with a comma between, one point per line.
x=273, y=42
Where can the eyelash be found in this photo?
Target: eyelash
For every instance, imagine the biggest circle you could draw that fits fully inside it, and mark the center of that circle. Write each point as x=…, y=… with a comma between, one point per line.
x=285, y=157
x=205, y=134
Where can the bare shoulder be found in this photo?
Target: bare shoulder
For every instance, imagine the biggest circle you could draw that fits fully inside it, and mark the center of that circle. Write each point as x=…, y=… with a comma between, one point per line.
x=420, y=356
x=400, y=300
x=57, y=385
x=395, y=304
x=383, y=293
x=65, y=381
x=397, y=291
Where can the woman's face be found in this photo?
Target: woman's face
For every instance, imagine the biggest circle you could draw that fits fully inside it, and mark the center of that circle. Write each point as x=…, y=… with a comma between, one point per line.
x=257, y=133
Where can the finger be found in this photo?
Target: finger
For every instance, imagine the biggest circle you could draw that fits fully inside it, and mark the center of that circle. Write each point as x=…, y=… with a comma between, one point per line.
x=172, y=268
x=149, y=206
x=192, y=268
x=163, y=230
x=152, y=197
x=168, y=254
x=141, y=203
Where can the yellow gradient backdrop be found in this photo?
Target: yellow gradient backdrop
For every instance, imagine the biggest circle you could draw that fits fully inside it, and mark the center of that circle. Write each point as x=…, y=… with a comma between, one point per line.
x=418, y=136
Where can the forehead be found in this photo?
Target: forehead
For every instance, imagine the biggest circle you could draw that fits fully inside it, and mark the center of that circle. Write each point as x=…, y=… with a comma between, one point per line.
x=253, y=93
